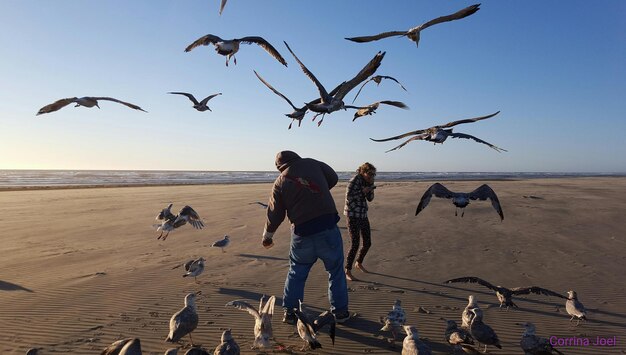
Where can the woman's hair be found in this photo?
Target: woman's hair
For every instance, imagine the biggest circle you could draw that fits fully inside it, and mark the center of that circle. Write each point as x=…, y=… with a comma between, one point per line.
x=366, y=168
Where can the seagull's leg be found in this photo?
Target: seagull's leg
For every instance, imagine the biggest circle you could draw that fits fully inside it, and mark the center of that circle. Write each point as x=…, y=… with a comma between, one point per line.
x=160, y=235
x=462, y=213
x=290, y=124
x=571, y=319
x=235, y=59
x=191, y=339
x=165, y=236
x=322, y=120
x=456, y=210
x=223, y=250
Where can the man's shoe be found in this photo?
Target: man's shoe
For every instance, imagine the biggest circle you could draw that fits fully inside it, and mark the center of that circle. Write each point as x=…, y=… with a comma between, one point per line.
x=290, y=317
x=342, y=317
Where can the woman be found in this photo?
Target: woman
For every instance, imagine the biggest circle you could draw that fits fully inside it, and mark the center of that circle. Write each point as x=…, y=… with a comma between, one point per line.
x=360, y=190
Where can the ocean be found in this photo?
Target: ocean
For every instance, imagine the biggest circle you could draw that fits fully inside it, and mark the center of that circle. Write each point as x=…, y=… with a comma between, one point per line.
x=73, y=178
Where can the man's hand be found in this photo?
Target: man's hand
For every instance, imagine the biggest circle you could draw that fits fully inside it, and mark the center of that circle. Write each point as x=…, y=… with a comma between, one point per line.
x=267, y=239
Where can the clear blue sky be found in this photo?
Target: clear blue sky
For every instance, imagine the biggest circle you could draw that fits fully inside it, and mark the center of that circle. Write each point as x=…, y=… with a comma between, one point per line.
x=556, y=70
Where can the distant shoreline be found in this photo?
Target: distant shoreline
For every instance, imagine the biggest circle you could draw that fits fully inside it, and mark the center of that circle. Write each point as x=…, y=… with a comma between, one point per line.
x=380, y=181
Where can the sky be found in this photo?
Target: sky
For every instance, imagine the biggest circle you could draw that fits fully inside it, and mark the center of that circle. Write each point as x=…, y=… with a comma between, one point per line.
x=555, y=70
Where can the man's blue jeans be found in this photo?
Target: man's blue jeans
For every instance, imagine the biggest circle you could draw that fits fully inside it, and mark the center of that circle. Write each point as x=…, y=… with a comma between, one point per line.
x=328, y=246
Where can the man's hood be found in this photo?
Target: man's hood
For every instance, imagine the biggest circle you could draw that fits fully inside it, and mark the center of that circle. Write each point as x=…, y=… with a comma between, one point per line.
x=285, y=158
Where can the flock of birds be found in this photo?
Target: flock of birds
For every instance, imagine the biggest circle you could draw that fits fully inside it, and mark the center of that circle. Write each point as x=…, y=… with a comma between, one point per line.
x=327, y=102
x=473, y=328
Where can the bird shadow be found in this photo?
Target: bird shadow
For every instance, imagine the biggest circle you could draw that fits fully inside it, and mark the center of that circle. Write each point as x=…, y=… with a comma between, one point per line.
x=8, y=286
x=265, y=257
x=245, y=294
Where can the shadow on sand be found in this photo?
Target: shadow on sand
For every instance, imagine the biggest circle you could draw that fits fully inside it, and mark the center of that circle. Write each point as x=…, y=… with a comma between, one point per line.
x=7, y=286
x=265, y=257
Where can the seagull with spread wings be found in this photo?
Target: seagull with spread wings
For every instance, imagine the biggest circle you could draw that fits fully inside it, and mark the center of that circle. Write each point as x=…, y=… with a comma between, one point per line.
x=370, y=109
x=330, y=103
x=377, y=79
x=460, y=199
x=439, y=134
x=169, y=221
x=228, y=47
x=86, y=101
x=414, y=33
x=505, y=295
x=262, y=319
x=297, y=114
x=198, y=105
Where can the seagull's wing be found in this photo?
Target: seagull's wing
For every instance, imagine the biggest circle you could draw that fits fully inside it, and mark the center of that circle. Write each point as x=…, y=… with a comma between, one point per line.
x=323, y=93
x=57, y=105
x=536, y=290
x=376, y=37
x=244, y=306
x=190, y=96
x=473, y=279
x=222, y=6
x=368, y=70
x=361, y=88
x=469, y=120
x=468, y=136
x=115, y=347
x=265, y=45
x=419, y=131
x=188, y=264
x=203, y=41
x=120, y=102
x=206, y=99
x=420, y=136
x=191, y=216
x=326, y=318
x=394, y=79
x=455, y=16
x=268, y=308
x=275, y=91
x=395, y=103
x=485, y=192
x=435, y=189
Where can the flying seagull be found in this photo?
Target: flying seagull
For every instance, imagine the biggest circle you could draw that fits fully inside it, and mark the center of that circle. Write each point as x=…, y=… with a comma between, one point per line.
x=460, y=199
x=262, y=319
x=438, y=134
x=505, y=295
x=169, y=221
x=87, y=101
x=228, y=47
x=370, y=109
x=533, y=344
x=200, y=106
x=297, y=114
x=331, y=103
x=414, y=33
x=377, y=79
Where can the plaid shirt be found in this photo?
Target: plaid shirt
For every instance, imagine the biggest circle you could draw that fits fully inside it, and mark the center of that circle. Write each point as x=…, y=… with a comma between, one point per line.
x=356, y=200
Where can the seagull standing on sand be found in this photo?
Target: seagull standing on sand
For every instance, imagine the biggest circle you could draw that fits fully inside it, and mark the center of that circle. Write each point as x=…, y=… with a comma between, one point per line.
x=457, y=337
x=460, y=199
x=533, y=344
x=412, y=345
x=331, y=103
x=395, y=319
x=262, y=319
x=505, y=295
x=184, y=321
x=414, y=33
x=228, y=47
x=87, y=101
x=128, y=346
x=222, y=243
x=194, y=267
x=200, y=106
x=574, y=308
x=481, y=332
x=439, y=134
x=196, y=350
x=466, y=316
x=228, y=346
x=377, y=79
x=370, y=109
x=169, y=221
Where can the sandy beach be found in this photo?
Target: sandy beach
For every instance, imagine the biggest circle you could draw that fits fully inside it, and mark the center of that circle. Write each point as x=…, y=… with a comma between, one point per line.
x=81, y=268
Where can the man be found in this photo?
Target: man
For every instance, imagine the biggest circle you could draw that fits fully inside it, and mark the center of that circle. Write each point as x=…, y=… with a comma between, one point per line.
x=302, y=193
